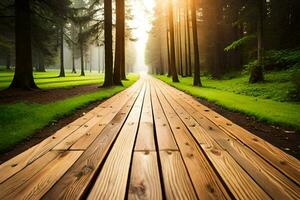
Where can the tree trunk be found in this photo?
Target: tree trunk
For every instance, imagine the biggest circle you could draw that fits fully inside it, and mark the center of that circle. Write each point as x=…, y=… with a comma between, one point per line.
x=62, y=67
x=180, y=43
x=120, y=41
x=41, y=64
x=108, y=81
x=188, y=40
x=73, y=61
x=197, y=80
x=23, y=77
x=81, y=53
x=185, y=42
x=257, y=72
x=168, y=53
x=99, y=60
x=172, y=43
x=8, y=63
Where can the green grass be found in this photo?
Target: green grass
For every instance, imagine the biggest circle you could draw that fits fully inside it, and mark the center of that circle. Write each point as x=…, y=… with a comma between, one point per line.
x=20, y=120
x=237, y=95
x=239, y=85
x=50, y=79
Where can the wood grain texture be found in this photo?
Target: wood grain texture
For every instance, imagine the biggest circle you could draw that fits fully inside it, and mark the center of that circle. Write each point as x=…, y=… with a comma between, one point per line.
x=144, y=180
x=145, y=136
x=41, y=182
x=103, y=116
x=177, y=183
x=271, y=180
x=112, y=180
x=241, y=185
x=16, y=181
x=75, y=182
x=285, y=163
x=19, y=162
x=206, y=183
x=165, y=138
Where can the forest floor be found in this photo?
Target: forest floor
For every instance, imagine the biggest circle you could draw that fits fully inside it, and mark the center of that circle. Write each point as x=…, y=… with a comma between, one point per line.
x=40, y=112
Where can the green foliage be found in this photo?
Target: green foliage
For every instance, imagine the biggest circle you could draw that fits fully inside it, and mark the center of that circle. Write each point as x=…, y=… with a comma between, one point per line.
x=277, y=60
x=282, y=59
x=16, y=124
x=295, y=93
x=259, y=100
x=240, y=42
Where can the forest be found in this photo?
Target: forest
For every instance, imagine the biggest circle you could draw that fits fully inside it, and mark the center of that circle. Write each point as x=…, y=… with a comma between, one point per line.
x=149, y=99
x=243, y=47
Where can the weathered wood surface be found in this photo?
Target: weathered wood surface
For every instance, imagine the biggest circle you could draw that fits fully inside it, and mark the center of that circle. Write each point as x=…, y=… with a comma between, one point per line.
x=151, y=141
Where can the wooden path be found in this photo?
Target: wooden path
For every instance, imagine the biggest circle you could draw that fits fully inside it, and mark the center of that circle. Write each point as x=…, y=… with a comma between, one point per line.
x=151, y=141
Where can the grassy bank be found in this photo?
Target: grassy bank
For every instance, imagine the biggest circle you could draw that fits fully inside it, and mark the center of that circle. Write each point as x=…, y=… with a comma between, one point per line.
x=260, y=100
x=21, y=120
x=50, y=79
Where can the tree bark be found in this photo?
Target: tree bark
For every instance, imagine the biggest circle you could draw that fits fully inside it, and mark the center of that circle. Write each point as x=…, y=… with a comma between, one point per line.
x=23, y=77
x=62, y=67
x=172, y=43
x=185, y=42
x=8, y=61
x=168, y=49
x=180, y=42
x=257, y=72
x=73, y=60
x=197, y=80
x=188, y=40
x=41, y=64
x=120, y=41
x=108, y=80
x=81, y=53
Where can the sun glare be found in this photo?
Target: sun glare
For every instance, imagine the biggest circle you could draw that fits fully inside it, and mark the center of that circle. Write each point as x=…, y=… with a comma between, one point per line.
x=142, y=11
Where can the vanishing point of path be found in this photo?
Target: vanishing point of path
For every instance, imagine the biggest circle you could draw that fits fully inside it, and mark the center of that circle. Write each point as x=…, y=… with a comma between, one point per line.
x=151, y=141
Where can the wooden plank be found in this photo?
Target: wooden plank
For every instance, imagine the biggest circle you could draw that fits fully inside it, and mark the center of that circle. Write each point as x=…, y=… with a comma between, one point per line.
x=78, y=178
x=108, y=112
x=241, y=185
x=41, y=182
x=17, y=163
x=272, y=181
x=285, y=163
x=165, y=138
x=206, y=183
x=145, y=136
x=144, y=179
x=177, y=183
x=105, y=118
x=16, y=181
x=67, y=142
x=97, y=110
x=112, y=181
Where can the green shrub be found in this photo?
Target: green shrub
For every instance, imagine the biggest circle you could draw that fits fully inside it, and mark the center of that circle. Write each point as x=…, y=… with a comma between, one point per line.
x=295, y=93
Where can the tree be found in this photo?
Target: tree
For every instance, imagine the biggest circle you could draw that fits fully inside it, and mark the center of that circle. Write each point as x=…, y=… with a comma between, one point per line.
x=108, y=80
x=120, y=42
x=257, y=71
x=172, y=42
x=23, y=77
x=189, y=73
x=197, y=80
x=62, y=67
